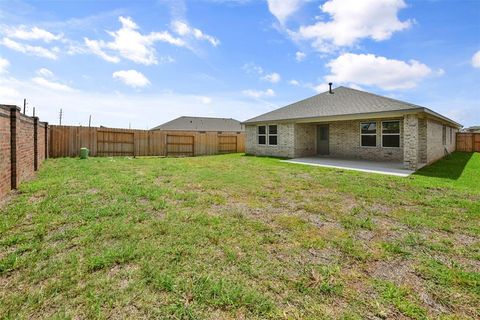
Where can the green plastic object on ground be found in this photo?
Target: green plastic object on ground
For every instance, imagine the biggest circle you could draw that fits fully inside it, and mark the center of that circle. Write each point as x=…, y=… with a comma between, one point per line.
x=84, y=153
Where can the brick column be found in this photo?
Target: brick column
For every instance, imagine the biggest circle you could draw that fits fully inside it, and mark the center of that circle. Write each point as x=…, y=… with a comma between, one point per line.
x=46, y=140
x=14, y=114
x=35, y=143
x=410, y=141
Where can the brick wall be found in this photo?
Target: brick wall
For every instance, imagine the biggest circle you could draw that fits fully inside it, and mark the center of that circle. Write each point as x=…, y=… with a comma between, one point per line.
x=25, y=169
x=299, y=140
x=435, y=146
x=4, y=151
x=422, y=140
x=41, y=140
x=285, y=147
x=305, y=139
x=411, y=141
x=345, y=142
x=22, y=146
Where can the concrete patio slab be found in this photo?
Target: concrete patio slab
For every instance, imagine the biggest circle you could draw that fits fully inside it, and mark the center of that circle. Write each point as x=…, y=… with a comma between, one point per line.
x=388, y=168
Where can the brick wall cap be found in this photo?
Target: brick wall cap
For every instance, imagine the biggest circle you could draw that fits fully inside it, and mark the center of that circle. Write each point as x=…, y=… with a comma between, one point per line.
x=9, y=107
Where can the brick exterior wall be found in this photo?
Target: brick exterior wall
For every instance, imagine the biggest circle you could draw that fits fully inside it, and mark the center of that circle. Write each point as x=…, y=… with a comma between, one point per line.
x=17, y=157
x=300, y=140
x=305, y=139
x=5, y=183
x=285, y=147
x=420, y=141
x=435, y=146
x=411, y=141
x=345, y=142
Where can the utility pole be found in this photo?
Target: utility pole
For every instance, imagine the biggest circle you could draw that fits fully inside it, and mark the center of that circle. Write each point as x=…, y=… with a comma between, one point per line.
x=90, y=121
x=24, y=106
x=34, y=112
x=61, y=115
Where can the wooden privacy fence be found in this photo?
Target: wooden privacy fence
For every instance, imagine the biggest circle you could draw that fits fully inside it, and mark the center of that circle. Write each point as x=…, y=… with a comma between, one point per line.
x=66, y=141
x=180, y=145
x=468, y=142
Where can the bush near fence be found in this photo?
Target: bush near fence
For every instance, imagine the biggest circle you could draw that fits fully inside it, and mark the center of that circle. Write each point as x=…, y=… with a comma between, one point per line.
x=66, y=141
x=23, y=146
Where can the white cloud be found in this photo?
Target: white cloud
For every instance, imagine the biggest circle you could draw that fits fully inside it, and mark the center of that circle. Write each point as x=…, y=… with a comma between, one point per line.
x=283, y=9
x=9, y=95
x=4, y=65
x=322, y=87
x=29, y=49
x=204, y=99
x=44, y=72
x=272, y=77
x=259, y=94
x=96, y=48
x=131, y=78
x=351, y=21
x=34, y=33
x=130, y=44
x=371, y=70
x=114, y=109
x=476, y=60
x=51, y=84
x=252, y=68
x=184, y=30
x=294, y=82
x=300, y=56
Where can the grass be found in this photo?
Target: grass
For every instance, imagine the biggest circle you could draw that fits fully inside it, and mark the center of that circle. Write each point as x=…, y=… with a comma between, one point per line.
x=232, y=236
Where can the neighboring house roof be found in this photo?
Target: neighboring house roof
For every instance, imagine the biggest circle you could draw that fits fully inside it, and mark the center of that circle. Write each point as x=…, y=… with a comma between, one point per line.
x=343, y=101
x=201, y=124
x=473, y=129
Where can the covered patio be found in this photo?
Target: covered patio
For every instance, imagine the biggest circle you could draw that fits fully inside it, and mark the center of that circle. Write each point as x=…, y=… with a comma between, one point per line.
x=381, y=167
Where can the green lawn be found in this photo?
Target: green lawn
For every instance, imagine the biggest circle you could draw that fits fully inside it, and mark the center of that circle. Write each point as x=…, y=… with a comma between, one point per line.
x=238, y=237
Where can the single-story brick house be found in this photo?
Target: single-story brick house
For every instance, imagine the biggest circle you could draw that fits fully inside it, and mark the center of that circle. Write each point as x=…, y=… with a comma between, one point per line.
x=349, y=123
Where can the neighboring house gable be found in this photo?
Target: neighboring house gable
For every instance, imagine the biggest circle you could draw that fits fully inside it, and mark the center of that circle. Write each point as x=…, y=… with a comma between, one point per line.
x=202, y=124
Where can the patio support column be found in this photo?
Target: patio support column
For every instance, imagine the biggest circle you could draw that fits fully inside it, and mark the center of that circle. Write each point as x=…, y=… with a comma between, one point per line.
x=410, y=141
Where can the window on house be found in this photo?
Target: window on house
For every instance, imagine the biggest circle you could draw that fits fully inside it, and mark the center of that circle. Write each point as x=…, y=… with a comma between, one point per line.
x=391, y=134
x=272, y=135
x=444, y=135
x=262, y=134
x=368, y=132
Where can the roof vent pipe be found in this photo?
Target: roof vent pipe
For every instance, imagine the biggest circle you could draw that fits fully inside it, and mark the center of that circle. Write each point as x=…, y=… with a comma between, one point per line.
x=330, y=88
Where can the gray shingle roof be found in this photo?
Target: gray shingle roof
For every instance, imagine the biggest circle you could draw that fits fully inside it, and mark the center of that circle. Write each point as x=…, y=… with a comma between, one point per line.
x=201, y=124
x=343, y=101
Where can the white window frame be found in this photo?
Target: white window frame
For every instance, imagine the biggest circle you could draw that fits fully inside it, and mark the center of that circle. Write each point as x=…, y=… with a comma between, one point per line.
x=262, y=135
x=272, y=135
x=399, y=134
x=368, y=134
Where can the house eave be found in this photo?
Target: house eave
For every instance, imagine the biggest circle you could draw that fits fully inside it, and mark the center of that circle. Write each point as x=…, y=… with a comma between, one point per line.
x=359, y=116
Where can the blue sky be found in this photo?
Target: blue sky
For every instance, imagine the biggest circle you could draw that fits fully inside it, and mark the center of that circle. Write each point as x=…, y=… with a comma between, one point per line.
x=141, y=63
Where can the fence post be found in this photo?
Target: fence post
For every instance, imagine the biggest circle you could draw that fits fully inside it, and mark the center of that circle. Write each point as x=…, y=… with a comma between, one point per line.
x=14, y=112
x=35, y=143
